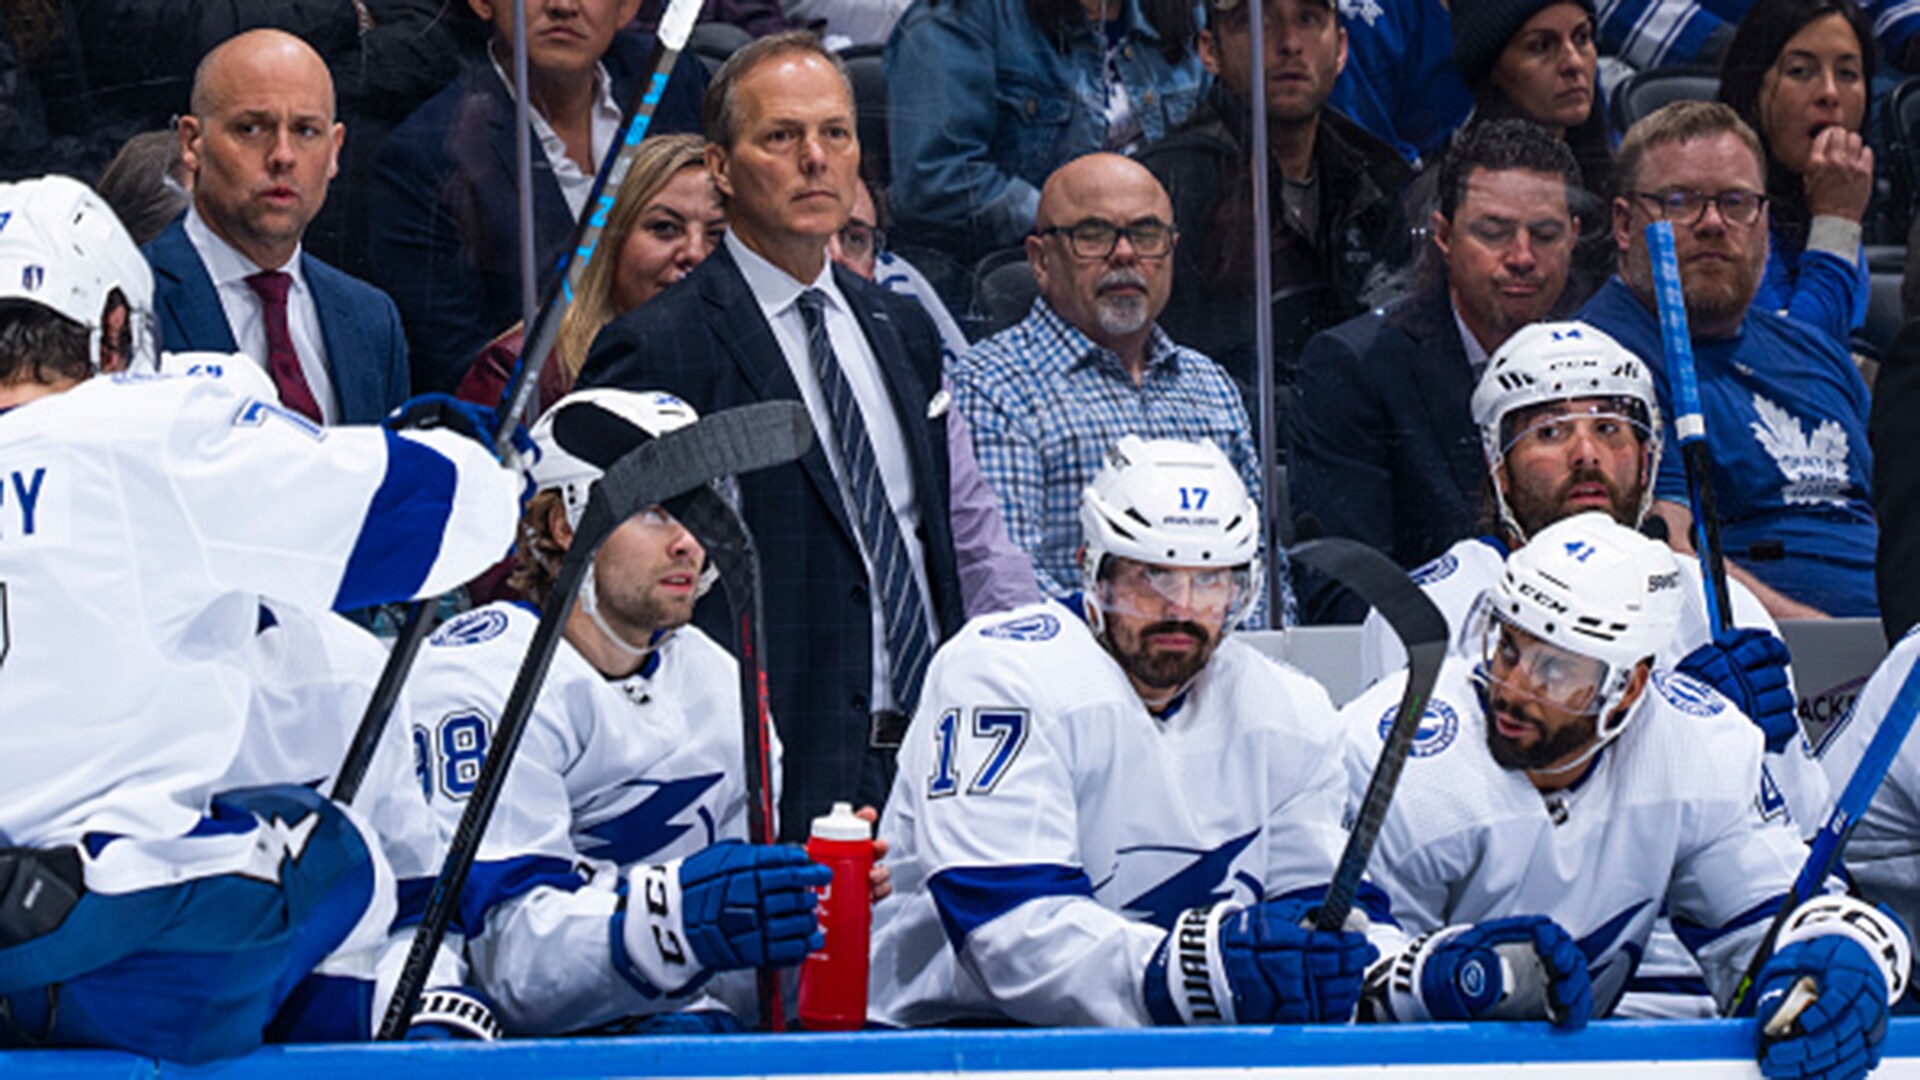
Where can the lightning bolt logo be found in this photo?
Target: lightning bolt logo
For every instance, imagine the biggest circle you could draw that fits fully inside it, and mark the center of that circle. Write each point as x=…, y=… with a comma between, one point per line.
x=276, y=843
x=1195, y=885
x=648, y=826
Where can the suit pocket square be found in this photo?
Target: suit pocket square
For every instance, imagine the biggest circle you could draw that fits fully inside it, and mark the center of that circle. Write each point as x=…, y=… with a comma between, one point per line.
x=937, y=407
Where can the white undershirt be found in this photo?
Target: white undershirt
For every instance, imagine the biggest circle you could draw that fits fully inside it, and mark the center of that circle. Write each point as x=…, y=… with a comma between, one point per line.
x=575, y=184
x=246, y=312
x=777, y=293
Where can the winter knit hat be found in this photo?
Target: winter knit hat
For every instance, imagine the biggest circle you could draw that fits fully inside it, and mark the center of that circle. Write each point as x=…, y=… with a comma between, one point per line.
x=1482, y=28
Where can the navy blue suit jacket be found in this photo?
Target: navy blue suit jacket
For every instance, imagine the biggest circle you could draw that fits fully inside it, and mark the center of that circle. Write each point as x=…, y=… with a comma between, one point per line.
x=366, y=350
x=446, y=223
x=1381, y=442
x=705, y=340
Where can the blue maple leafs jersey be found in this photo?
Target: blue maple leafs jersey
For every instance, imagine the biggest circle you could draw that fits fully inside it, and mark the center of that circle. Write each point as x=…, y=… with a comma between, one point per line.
x=1666, y=818
x=610, y=772
x=1046, y=828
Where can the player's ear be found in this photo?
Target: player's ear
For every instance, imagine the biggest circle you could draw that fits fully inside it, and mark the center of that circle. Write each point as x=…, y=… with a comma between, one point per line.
x=1635, y=686
x=557, y=526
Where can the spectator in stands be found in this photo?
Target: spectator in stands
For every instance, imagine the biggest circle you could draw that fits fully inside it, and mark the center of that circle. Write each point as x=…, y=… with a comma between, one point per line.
x=847, y=23
x=1048, y=397
x=1676, y=33
x=987, y=97
x=1382, y=443
x=147, y=184
x=881, y=541
x=445, y=220
x=666, y=219
x=861, y=246
x=1334, y=191
x=1400, y=83
x=261, y=143
x=1786, y=411
x=1799, y=72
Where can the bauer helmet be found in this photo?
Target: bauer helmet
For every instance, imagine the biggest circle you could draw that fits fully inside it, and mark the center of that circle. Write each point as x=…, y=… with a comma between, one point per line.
x=1170, y=503
x=62, y=247
x=1589, y=586
x=588, y=430
x=1563, y=361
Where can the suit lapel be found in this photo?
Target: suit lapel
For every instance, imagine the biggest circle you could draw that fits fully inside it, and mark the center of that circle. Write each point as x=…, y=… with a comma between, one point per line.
x=733, y=316
x=1444, y=382
x=345, y=341
x=909, y=397
x=187, y=300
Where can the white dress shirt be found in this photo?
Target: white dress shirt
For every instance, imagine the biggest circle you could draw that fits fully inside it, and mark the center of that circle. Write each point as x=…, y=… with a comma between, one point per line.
x=575, y=184
x=246, y=312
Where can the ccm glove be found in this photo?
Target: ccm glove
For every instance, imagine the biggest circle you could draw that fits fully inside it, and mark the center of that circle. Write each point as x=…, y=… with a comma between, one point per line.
x=1256, y=965
x=1749, y=667
x=729, y=906
x=1524, y=968
x=1854, y=959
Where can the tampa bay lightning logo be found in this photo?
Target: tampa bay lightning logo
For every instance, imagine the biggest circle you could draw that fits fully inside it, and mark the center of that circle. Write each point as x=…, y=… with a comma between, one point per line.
x=472, y=628
x=1770, y=802
x=1439, y=569
x=1609, y=968
x=1200, y=883
x=1688, y=694
x=654, y=823
x=1438, y=726
x=1026, y=628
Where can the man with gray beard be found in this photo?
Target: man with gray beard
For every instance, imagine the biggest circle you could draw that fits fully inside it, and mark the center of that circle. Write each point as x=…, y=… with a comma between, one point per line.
x=1048, y=396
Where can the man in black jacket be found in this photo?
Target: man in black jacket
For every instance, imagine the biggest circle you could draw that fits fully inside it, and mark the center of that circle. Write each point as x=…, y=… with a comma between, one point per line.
x=1334, y=191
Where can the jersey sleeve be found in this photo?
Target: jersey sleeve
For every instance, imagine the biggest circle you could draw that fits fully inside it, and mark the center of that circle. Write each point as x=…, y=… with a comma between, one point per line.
x=339, y=517
x=997, y=844
x=1884, y=854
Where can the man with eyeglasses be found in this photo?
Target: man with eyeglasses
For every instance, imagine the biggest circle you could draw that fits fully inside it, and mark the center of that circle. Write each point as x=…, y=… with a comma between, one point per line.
x=1786, y=411
x=1565, y=788
x=861, y=246
x=1110, y=812
x=1046, y=397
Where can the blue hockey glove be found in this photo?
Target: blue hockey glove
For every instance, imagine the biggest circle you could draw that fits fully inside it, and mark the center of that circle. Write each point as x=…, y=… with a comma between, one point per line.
x=728, y=906
x=1256, y=965
x=1523, y=968
x=476, y=422
x=1749, y=667
x=1853, y=959
x=453, y=1014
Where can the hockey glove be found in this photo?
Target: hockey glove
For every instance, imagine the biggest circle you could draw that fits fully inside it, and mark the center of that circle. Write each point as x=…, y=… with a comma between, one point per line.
x=728, y=906
x=476, y=422
x=1524, y=968
x=1255, y=965
x=1749, y=667
x=1855, y=960
x=453, y=1014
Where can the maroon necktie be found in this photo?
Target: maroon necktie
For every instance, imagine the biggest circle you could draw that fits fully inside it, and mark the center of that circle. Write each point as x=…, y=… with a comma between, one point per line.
x=283, y=363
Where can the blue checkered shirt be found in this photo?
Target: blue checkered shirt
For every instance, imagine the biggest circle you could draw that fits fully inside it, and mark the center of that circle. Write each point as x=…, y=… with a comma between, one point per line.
x=1045, y=404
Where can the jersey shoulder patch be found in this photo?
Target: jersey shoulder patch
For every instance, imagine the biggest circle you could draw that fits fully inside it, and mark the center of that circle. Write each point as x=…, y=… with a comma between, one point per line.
x=1038, y=627
x=472, y=628
x=1688, y=694
x=1439, y=725
x=1439, y=569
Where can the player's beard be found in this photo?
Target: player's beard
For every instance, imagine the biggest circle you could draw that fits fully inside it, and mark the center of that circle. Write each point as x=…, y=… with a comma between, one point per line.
x=1536, y=513
x=1163, y=670
x=1552, y=747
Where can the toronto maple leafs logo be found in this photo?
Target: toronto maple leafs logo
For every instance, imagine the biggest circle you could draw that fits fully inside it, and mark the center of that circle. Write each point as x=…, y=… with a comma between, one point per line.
x=1815, y=469
x=1366, y=11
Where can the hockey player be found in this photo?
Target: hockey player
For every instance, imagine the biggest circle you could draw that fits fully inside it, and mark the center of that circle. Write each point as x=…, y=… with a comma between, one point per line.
x=141, y=907
x=1561, y=774
x=629, y=783
x=1121, y=819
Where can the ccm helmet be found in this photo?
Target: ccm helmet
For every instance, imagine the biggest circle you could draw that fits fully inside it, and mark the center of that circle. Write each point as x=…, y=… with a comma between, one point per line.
x=1563, y=361
x=62, y=247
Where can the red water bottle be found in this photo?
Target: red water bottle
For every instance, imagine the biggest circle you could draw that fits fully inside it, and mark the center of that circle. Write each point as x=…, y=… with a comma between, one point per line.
x=833, y=982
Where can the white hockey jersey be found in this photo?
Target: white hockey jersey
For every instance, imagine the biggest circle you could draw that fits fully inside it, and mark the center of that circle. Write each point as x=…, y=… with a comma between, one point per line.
x=1665, y=817
x=142, y=519
x=1456, y=579
x=1884, y=853
x=1046, y=829
x=610, y=773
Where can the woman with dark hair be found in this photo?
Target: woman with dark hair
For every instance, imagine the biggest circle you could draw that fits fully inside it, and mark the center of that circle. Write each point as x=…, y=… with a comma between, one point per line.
x=1800, y=73
x=987, y=97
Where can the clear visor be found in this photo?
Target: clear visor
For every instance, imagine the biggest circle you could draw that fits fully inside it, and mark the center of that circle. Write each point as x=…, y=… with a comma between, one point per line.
x=1151, y=591
x=1613, y=423
x=1520, y=665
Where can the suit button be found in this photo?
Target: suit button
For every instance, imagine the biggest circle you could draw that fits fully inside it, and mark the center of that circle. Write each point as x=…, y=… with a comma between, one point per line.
x=860, y=702
x=860, y=597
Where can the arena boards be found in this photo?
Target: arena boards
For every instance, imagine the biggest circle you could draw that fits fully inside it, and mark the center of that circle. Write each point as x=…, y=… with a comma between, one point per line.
x=1692, y=1051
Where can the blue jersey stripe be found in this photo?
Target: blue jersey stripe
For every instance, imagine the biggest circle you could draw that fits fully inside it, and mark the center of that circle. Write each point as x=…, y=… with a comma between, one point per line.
x=400, y=538
x=971, y=896
x=1696, y=937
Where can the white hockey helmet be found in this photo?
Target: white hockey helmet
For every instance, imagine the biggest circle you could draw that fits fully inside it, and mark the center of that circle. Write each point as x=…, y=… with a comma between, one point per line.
x=589, y=430
x=1563, y=361
x=62, y=247
x=1168, y=502
x=1593, y=587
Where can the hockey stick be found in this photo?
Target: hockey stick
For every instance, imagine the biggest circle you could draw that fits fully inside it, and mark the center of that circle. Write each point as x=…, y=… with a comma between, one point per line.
x=1423, y=633
x=1824, y=853
x=675, y=24
x=730, y=545
x=1689, y=424
x=734, y=441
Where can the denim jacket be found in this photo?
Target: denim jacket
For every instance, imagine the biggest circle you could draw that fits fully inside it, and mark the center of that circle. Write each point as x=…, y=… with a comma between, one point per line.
x=982, y=109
